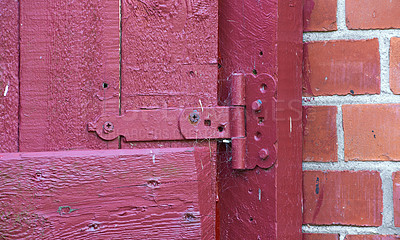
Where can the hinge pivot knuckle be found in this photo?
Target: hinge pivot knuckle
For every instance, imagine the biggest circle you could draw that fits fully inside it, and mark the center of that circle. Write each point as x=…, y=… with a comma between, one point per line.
x=238, y=89
x=238, y=153
x=237, y=122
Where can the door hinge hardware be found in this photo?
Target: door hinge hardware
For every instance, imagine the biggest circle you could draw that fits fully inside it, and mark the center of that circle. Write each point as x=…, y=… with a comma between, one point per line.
x=263, y=153
x=194, y=117
x=248, y=122
x=256, y=105
x=171, y=124
x=108, y=127
x=257, y=94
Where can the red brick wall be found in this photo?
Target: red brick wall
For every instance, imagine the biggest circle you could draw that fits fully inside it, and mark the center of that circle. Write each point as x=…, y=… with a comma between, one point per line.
x=351, y=98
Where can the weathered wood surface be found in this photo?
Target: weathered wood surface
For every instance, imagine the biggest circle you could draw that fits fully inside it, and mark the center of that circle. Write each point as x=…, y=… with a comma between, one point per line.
x=289, y=120
x=169, y=53
x=263, y=37
x=247, y=199
x=112, y=194
x=9, y=60
x=69, y=49
x=169, y=59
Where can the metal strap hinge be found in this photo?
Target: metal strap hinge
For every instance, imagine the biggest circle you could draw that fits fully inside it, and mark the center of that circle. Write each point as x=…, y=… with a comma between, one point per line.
x=222, y=122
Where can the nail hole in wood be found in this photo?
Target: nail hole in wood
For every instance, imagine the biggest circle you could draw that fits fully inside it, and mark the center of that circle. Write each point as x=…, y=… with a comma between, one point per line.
x=257, y=136
x=189, y=217
x=94, y=226
x=153, y=183
x=261, y=121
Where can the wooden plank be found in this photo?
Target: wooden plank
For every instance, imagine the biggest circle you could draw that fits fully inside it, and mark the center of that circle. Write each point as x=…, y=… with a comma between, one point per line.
x=247, y=199
x=169, y=53
x=9, y=60
x=69, y=72
x=169, y=59
x=263, y=38
x=289, y=119
x=124, y=194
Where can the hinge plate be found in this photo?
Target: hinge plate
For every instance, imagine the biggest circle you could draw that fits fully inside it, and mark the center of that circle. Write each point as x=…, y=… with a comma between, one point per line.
x=250, y=122
x=261, y=129
x=168, y=124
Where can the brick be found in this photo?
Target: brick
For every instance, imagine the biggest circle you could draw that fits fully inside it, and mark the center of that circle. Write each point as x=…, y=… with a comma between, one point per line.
x=371, y=132
x=342, y=197
x=396, y=198
x=320, y=137
x=341, y=67
x=395, y=65
x=319, y=15
x=372, y=14
x=372, y=237
x=320, y=236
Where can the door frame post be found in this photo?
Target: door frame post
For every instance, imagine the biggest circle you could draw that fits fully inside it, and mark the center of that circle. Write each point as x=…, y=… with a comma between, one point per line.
x=263, y=37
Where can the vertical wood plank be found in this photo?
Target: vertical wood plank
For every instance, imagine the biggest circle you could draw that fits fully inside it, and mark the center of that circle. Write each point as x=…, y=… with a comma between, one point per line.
x=169, y=53
x=169, y=59
x=9, y=60
x=69, y=72
x=289, y=119
x=247, y=44
x=256, y=38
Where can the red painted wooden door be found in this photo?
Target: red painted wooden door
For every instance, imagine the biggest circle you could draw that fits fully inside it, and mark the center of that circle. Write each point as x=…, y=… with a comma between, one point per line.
x=64, y=63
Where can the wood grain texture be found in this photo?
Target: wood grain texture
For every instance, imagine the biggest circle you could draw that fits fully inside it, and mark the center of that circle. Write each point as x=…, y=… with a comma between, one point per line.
x=289, y=120
x=263, y=37
x=169, y=59
x=69, y=49
x=113, y=194
x=9, y=60
x=169, y=53
x=247, y=199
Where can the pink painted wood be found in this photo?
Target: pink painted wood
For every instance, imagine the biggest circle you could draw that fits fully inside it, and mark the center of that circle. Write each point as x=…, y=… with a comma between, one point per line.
x=169, y=54
x=263, y=38
x=113, y=194
x=9, y=63
x=69, y=72
x=169, y=60
x=289, y=119
x=72, y=71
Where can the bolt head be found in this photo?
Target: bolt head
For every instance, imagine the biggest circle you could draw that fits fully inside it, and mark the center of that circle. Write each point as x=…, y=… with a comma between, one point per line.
x=194, y=117
x=263, y=153
x=108, y=127
x=256, y=105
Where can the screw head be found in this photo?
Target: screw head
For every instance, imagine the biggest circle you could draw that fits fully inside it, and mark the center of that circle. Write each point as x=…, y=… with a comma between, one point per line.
x=194, y=117
x=256, y=105
x=263, y=153
x=108, y=127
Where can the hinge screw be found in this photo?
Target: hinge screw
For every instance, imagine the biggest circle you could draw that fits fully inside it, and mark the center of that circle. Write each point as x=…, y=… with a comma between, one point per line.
x=108, y=127
x=256, y=105
x=263, y=153
x=194, y=117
